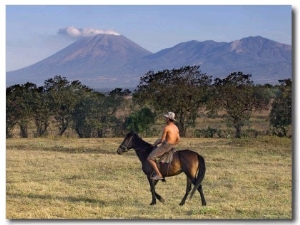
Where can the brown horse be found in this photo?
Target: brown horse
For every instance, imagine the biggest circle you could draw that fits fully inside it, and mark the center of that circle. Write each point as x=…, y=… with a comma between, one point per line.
x=187, y=161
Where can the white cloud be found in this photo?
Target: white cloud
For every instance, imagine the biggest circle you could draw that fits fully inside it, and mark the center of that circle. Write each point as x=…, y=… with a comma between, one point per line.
x=83, y=32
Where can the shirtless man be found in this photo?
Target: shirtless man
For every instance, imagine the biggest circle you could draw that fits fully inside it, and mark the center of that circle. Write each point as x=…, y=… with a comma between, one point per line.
x=169, y=139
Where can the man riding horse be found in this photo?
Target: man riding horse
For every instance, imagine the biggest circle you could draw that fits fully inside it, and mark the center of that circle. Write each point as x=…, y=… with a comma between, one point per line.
x=168, y=140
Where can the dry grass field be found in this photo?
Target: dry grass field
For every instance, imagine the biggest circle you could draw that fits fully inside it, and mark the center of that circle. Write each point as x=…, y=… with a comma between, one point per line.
x=71, y=178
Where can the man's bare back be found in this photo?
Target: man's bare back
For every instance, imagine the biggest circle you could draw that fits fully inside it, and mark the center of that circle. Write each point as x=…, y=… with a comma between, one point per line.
x=171, y=134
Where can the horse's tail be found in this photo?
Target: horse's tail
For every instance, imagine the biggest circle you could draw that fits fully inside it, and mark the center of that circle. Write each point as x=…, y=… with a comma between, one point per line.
x=201, y=173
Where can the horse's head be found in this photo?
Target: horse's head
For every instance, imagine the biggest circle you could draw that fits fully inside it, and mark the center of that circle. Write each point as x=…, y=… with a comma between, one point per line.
x=127, y=143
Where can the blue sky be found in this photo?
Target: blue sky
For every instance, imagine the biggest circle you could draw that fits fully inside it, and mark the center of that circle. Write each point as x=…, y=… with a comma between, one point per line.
x=34, y=32
x=32, y=35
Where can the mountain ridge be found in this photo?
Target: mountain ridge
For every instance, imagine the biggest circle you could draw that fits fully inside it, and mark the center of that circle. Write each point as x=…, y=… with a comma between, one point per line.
x=115, y=61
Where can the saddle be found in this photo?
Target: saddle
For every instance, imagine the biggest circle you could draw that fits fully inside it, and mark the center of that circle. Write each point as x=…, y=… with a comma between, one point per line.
x=167, y=157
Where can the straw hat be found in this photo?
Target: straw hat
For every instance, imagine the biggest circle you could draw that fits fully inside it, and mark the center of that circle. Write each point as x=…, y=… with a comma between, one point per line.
x=170, y=115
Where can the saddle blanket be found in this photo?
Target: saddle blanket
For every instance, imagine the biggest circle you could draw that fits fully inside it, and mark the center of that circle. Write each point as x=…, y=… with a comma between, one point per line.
x=167, y=157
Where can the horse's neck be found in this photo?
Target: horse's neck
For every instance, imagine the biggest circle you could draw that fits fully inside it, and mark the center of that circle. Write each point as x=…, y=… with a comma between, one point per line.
x=142, y=149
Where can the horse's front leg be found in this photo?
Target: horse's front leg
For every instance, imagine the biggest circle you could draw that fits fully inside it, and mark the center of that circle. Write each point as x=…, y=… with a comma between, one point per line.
x=153, y=192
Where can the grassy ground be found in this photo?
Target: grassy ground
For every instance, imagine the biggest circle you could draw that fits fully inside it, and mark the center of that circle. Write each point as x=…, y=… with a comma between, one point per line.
x=74, y=178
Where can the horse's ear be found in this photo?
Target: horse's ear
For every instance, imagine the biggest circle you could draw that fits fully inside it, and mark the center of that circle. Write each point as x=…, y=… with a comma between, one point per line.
x=133, y=133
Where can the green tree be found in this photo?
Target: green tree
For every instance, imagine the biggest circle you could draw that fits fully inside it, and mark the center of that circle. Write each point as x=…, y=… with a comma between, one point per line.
x=40, y=111
x=281, y=113
x=120, y=92
x=86, y=121
x=13, y=108
x=114, y=103
x=140, y=121
x=95, y=114
x=181, y=90
x=19, y=107
x=238, y=96
x=63, y=97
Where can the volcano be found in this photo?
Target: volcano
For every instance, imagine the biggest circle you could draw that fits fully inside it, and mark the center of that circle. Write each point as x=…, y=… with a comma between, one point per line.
x=111, y=61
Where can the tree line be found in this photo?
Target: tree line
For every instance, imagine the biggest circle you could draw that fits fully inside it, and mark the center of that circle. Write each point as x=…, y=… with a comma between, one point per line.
x=71, y=104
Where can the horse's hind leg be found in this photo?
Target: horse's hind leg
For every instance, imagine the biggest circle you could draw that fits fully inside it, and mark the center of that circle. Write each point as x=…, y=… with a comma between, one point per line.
x=201, y=194
x=187, y=191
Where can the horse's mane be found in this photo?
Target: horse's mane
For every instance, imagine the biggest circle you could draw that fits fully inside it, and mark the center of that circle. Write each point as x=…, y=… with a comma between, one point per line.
x=147, y=146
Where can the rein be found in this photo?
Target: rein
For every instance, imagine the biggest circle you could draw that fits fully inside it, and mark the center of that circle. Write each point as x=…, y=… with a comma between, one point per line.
x=125, y=148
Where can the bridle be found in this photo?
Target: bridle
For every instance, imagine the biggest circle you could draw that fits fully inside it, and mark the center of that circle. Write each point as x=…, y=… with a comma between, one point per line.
x=125, y=148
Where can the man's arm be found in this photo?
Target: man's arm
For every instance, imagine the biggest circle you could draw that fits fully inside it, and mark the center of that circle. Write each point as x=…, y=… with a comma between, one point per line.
x=158, y=141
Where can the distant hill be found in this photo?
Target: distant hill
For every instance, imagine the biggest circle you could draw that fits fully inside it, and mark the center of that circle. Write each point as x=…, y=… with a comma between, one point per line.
x=266, y=60
x=110, y=61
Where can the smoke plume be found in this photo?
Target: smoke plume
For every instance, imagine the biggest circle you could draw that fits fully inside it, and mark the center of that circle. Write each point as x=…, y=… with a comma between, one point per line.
x=74, y=32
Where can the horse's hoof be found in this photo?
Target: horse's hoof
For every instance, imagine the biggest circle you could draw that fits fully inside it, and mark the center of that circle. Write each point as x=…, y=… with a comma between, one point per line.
x=162, y=200
x=153, y=203
x=181, y=203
